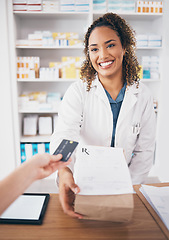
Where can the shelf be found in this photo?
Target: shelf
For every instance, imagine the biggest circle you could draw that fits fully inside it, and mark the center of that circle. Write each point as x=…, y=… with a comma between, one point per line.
x=134, y=15
x=38, y=111
x=148, y=48
x=149, y=80
x=79, y=47
x=42, y=47
x=74, y=15
x=25, y=23
x=40, y=80
x=55, y=15
x=30, y=139
x=73, y=80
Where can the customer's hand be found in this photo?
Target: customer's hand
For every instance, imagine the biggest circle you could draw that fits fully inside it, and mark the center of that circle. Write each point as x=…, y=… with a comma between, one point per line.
x=45, y=164
x=67, y=191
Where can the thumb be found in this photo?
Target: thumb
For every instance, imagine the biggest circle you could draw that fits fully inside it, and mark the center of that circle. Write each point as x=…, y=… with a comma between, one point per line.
x=74, y=187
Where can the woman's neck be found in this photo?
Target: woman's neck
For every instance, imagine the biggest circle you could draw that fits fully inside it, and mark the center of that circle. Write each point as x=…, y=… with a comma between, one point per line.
x=112, y=86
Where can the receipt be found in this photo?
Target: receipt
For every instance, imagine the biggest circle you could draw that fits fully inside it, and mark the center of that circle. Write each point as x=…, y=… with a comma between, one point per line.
x=102, y=171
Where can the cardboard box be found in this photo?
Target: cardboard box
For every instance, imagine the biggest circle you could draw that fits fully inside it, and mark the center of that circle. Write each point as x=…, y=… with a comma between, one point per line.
x=115, y=208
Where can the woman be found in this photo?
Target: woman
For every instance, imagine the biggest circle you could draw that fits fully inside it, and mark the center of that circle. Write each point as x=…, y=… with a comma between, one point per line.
x=110, y=107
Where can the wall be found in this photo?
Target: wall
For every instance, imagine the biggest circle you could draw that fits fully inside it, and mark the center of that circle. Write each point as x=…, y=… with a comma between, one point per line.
x=7, y=151
x=162, y=153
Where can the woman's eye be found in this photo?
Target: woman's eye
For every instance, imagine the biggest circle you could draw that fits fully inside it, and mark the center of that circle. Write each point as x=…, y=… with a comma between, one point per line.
x=110, y=45
x=94, y=50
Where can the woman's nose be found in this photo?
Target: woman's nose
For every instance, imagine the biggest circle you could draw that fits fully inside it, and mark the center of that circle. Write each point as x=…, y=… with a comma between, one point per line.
x=103, y=53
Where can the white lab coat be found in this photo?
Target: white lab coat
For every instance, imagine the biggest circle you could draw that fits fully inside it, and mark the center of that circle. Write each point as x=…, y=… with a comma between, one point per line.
x=86, y=117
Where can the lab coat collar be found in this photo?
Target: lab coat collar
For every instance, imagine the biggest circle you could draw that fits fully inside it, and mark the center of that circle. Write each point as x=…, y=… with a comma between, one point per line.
x=99, y=91
x=130, y=98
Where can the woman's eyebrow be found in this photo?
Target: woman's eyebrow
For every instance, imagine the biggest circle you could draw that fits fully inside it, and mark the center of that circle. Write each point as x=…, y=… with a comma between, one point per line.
x=111, y=40
x=95, y=44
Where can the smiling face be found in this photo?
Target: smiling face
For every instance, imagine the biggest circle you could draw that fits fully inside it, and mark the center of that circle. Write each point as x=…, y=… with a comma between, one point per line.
x=106, y=53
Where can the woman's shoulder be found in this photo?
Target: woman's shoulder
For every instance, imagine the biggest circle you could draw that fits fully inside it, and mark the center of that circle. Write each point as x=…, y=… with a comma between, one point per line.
x=76, y=90
x=141, y=89
x=144, y=89
x=77, y=85
x=81, y=86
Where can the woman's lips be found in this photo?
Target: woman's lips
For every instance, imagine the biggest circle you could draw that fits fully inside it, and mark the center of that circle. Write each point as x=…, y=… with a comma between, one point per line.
x=106, y=64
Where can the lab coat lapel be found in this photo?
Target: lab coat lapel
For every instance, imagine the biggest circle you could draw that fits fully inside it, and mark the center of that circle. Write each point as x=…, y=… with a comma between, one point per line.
x=130, y=98
x=100, y=92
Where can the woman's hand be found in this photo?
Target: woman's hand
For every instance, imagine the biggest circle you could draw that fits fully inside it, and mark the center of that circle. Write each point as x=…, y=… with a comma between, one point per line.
x=67, y=191
x=45, y=164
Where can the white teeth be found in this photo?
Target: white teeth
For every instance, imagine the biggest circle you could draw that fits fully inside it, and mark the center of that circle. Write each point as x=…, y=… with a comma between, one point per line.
x=105, y=64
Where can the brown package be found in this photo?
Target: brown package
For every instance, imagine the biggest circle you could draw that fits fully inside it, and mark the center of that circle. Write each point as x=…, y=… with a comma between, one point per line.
x=116, y=208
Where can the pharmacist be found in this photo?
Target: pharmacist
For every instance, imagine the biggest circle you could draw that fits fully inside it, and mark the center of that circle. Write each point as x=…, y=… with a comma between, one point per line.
x=110, y=107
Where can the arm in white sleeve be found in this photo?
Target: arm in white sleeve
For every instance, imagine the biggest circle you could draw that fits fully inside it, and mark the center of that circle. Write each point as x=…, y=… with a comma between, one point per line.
x=70, y=118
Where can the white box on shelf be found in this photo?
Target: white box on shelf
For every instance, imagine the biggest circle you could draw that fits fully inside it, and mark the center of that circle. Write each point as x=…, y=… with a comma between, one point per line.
x=68, y=7
x=142, y=40
x=82, y=1
x=34, y=7
x=82, y=7
x=34, y=2
x=154, y=40
x=19, y=1
x=28, y=151
x=30, y=125
x=41, y=148
x=20, y=7
x=67, y=2
x=45, y=125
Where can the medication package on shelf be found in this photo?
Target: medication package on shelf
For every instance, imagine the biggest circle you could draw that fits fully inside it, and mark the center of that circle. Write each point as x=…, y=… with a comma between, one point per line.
x=82, y=5
x=69, y=67
x=121, y=6
x=99, y=5
x=51, y=39
x=151, y=40
x=66, y=39
x=49, y=74
x=74, y=5
x=151, y=67
x=27, y=5
x=28, y=67
x=27, y=150
x=149, y=7
x=37, y=125
x=39, y=101
x=51, y=6
x=45, y=125
x=30, y=125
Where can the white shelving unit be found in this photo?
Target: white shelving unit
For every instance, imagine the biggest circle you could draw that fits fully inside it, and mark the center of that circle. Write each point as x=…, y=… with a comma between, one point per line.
x=23, y=23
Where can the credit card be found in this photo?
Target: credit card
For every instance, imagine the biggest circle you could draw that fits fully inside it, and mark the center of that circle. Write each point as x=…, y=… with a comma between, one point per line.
x=66, y=148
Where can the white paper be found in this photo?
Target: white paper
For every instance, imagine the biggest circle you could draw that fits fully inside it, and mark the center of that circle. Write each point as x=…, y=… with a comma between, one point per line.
x=25, y=207
x=102, y=171
x=158, y=198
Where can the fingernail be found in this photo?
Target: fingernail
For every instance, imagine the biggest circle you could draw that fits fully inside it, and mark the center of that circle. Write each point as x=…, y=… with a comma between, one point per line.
x=75, y=190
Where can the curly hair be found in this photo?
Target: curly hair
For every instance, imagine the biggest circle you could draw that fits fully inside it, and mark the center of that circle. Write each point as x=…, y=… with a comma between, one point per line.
x=127, y=37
